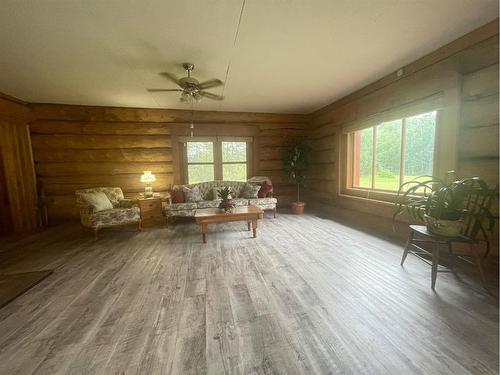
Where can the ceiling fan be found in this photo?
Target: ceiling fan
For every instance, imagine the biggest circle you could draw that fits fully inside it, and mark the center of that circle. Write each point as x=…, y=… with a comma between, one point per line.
x=190, y=87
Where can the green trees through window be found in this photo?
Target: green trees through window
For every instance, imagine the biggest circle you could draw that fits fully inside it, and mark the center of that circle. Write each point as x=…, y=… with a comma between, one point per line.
x=206, y=160
x=234, y=161
x=200, y=162
x=393, y=152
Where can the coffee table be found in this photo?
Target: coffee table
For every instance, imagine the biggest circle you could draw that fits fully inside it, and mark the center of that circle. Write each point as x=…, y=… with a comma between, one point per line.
x=206, y=216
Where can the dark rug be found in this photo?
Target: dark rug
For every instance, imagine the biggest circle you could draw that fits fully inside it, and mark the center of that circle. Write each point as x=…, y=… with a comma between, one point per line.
x=15, y=284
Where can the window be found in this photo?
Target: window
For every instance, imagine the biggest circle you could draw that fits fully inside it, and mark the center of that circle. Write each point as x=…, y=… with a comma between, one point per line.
x=234, y=161
x=216, y=159
x=200, y=162
x=393, y=152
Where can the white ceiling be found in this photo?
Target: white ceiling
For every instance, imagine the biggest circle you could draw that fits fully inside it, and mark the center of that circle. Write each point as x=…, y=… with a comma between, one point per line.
x=290, y=56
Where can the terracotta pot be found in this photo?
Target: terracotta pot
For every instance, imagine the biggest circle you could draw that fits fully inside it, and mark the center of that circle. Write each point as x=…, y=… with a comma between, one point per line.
x=298, y=208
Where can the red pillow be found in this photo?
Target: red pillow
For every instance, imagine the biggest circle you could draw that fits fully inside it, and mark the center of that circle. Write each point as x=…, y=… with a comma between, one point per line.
x=265, y=189
x=177, y=196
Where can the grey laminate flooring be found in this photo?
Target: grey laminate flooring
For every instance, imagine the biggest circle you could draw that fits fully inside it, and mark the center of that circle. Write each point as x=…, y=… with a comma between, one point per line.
x=308, y=296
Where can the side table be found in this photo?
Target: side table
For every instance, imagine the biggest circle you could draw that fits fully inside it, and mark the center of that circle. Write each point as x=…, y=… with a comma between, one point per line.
x=151, y=212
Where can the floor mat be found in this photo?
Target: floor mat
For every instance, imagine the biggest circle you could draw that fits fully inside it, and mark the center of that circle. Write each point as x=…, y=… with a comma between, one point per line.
x=15, y=284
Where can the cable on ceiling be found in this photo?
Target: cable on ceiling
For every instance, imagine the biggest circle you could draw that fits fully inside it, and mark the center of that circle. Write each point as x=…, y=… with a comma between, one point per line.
x=234, y=46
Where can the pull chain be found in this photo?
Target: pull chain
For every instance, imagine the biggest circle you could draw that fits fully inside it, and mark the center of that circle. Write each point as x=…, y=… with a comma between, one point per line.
x=191, y=125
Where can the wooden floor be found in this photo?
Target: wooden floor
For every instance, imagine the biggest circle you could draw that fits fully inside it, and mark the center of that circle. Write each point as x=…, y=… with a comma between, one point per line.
x=308, y=296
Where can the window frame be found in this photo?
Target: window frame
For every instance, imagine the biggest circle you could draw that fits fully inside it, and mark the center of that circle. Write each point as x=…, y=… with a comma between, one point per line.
x=347, y=164
x=217, y=155
x=222, y=162
x=186, y=164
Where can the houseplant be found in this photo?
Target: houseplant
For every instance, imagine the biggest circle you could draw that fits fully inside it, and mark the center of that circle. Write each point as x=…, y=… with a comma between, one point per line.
x=296, y=161
x=440, y=203
x=227, y=203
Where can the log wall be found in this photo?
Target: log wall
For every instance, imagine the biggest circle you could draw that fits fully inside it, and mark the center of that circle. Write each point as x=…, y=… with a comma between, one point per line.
x=77, y=147
x=478, y=148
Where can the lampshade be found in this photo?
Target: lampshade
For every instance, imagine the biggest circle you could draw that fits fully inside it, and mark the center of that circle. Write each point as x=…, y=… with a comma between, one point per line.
x=185, y=97
x=148, y=177
x=197, y=97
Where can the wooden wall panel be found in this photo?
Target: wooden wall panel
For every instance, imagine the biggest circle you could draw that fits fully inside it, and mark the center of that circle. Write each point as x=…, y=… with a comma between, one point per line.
x=480, y=110
x=130, y=183
x=83, y=113
x=18, y=185
x=107, y=155
x=271, y=152
x=478, y=152
x=479, y=134
x=101, y=168
x=82, y=127
x=91, y=141
x=71, y=155
x=479, y=142
x=485, y=168
x=481, y=83
x=78, y=147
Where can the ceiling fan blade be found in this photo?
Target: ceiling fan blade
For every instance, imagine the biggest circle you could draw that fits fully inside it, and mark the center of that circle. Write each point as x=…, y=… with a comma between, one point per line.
x=163, y=90
x=209, y=95
x=170, y=77
x=209, y=84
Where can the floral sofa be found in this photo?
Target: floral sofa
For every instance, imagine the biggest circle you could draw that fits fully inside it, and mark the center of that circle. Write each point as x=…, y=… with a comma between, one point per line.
x=124, y=211
x=207, y=190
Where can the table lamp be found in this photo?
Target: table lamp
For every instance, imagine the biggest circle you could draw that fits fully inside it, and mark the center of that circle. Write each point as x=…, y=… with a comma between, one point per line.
x=148, y=178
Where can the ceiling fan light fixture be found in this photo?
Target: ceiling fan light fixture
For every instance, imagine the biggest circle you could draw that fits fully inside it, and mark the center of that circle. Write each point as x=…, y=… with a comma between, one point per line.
x=192, y=89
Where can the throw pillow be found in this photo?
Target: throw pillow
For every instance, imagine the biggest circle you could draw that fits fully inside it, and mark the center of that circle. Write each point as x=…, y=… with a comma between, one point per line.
x=250, y=191
x=98, y=200
x=176, y=195
x=265, y=189
x=193, y=194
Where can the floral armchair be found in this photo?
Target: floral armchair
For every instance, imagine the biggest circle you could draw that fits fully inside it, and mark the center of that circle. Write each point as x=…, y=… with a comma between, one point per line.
x=124, y=211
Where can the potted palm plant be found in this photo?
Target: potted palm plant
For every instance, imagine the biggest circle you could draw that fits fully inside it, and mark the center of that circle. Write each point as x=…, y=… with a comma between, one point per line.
x=296, y=161
x=440, y=203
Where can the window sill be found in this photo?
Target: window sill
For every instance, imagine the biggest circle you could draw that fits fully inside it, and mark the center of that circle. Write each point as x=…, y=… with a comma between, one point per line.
x=387, y=197
x=369, y=205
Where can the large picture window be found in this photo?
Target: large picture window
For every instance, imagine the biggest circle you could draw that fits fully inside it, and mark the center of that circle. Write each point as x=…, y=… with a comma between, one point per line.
x=216, y=159
x=390, y=153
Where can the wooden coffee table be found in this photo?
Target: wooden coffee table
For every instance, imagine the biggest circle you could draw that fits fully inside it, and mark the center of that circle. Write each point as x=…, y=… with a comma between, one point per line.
x=206, y=216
